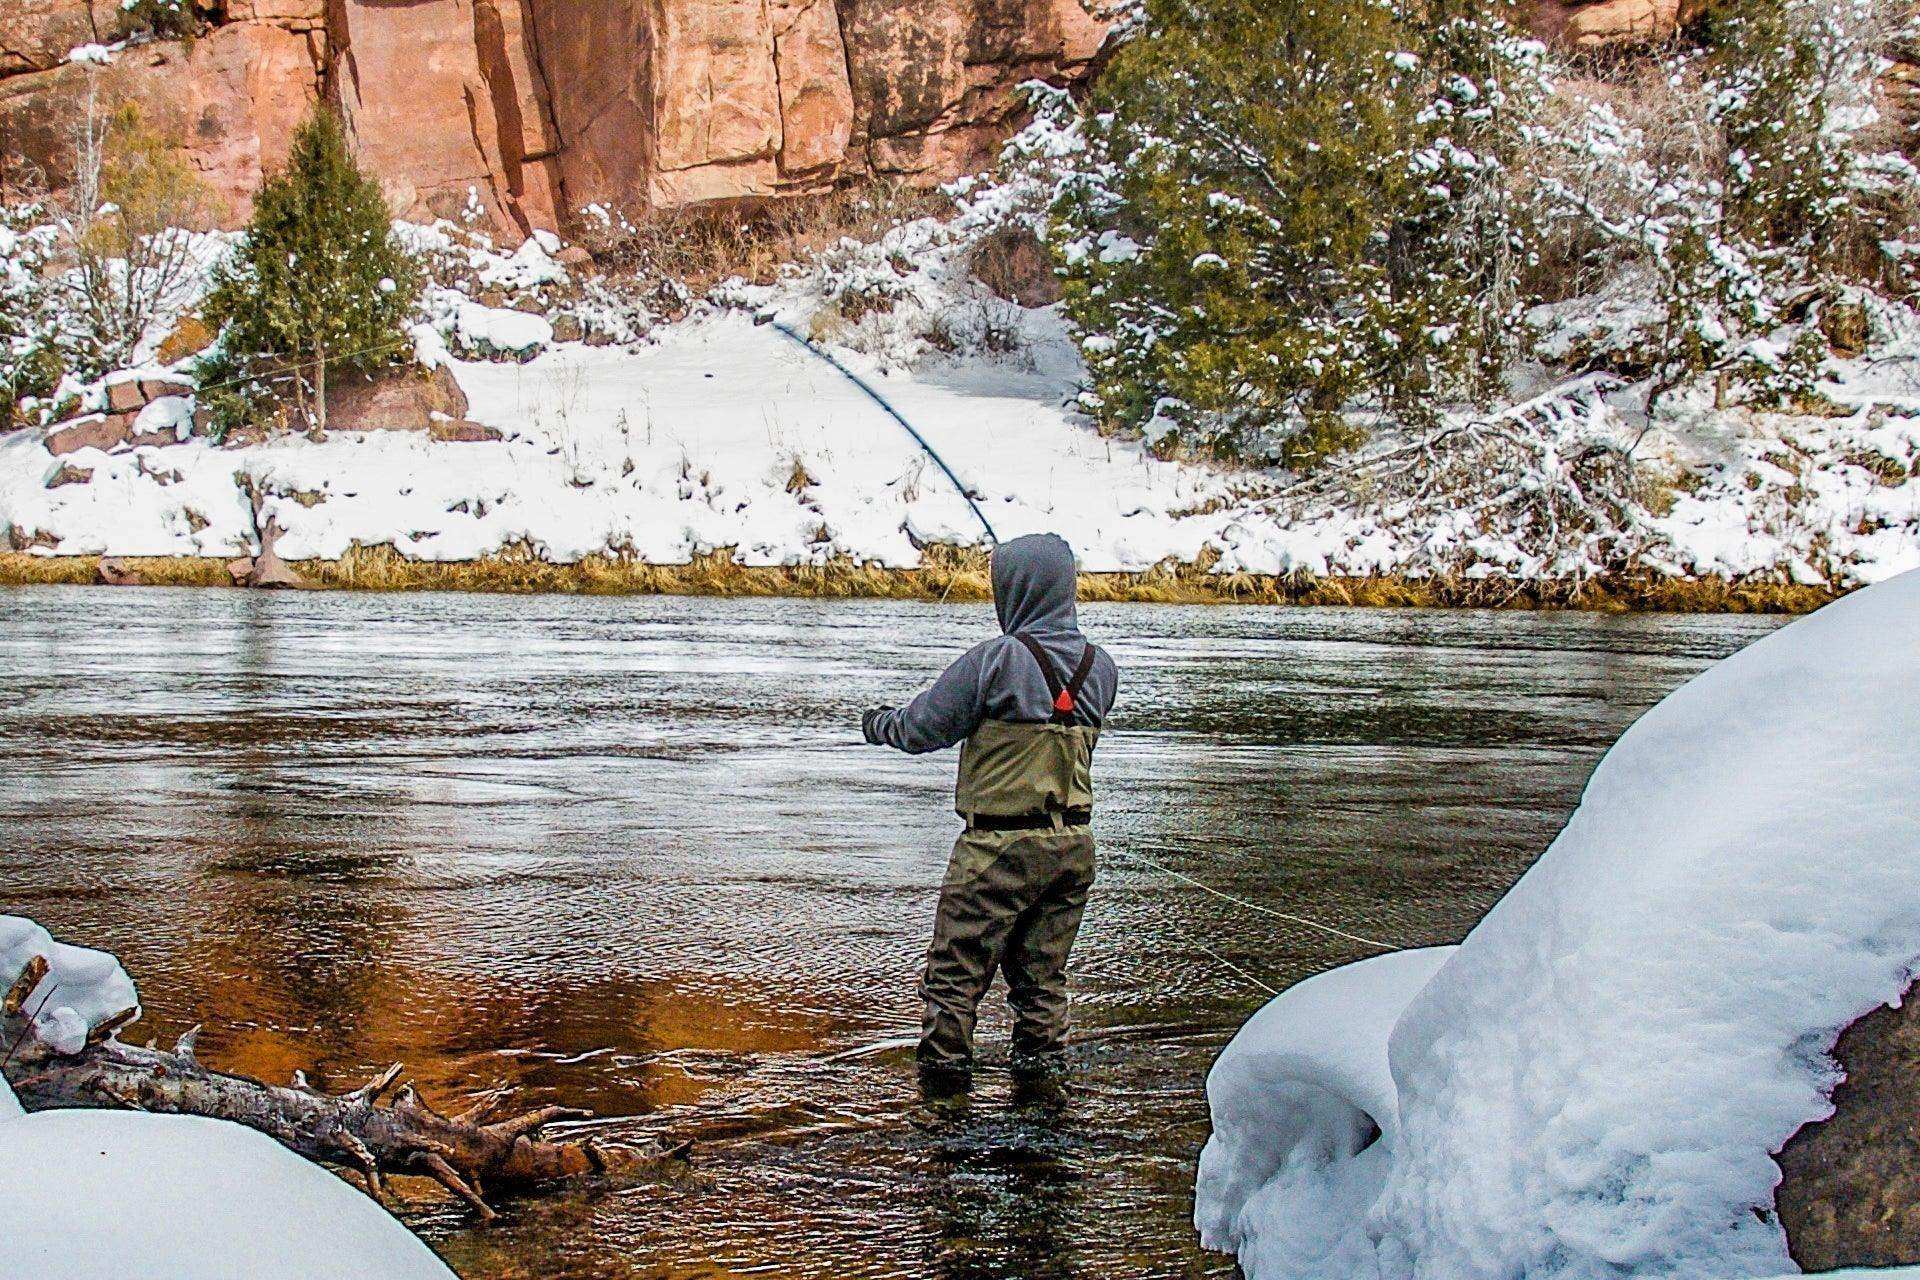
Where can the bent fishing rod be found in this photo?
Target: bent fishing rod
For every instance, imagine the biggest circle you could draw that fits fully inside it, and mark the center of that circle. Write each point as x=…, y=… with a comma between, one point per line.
x=808, y=345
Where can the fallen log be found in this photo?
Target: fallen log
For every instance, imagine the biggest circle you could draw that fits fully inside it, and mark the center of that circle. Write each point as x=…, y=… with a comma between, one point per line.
x=379, y=1130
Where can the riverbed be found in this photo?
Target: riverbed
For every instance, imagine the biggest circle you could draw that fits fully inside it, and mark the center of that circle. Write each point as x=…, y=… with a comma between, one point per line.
x=629, y=854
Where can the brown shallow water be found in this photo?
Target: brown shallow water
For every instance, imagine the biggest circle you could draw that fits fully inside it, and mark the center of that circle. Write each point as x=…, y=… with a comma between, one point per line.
x=627, y=854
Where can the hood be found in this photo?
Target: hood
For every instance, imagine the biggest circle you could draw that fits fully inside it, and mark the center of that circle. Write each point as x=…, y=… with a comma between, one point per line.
x=1033, y=584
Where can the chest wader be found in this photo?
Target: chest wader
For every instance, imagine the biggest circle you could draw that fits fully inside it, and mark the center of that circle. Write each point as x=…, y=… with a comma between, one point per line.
x=1017, y=885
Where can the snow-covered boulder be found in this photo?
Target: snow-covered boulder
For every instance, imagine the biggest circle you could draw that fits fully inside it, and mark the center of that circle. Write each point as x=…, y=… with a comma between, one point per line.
x=1304, y=1086
x=119, y=1195
x=1594, y=1084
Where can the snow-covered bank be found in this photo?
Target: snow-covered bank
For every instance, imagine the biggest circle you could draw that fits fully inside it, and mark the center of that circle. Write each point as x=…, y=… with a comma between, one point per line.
x=714, y=432
x=122, y=1195
x=1594, y=1083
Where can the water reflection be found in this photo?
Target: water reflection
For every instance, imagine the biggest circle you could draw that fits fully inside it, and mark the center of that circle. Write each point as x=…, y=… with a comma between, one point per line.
x=626, y=854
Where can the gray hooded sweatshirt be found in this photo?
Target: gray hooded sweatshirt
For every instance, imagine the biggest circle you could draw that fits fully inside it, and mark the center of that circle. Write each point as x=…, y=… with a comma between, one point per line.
x=1033, y=591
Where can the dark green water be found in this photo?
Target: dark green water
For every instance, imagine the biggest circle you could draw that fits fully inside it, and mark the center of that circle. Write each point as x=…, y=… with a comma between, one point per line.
x=627, y=854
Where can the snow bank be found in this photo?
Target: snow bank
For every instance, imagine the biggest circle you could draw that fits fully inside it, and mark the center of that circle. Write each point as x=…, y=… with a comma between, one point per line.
x=1593, y=1084
x=99, y=1195
x=717, y=433
x=82, y=988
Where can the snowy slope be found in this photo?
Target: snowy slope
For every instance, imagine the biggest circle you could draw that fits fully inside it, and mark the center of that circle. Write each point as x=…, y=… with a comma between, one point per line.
x=1593, y=1084
x=675, y=448
x=714, y=432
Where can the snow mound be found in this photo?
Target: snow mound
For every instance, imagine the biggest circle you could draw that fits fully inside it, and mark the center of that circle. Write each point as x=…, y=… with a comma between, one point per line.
x=1305, y=1084
x=1593, y=1085
x=98, y=1195
x=82, y=988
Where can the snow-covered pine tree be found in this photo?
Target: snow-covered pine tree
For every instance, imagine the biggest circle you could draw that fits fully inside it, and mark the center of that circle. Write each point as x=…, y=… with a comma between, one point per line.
x=1291, y=206
x=320, y=277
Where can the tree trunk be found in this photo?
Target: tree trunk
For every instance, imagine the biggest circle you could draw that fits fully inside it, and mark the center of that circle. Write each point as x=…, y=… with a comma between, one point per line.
x=320, y=384
x=465, y=1152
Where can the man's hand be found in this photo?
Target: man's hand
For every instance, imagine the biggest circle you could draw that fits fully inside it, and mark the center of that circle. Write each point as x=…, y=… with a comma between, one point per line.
x=869, y=724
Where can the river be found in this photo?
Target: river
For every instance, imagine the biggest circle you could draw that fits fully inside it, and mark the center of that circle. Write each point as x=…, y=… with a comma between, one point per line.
x=628, y=854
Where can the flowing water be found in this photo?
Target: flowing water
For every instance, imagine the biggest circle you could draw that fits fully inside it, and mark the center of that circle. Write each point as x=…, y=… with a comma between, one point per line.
x=628, y=854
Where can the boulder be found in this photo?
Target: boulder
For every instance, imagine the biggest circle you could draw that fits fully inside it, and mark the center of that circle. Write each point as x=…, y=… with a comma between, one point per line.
x=95, y=431
x=463, y=431
x=1587, y=23
x=393, y=400
x=1849, y=1193
x=133, y=390
x=114, y=573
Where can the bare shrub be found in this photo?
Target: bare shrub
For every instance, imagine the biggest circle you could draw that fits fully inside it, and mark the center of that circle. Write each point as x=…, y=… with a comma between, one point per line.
x=129, y=214
x=1014, y=263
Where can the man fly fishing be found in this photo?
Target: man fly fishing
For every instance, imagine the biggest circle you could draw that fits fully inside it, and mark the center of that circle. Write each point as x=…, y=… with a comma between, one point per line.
x=1029, y=705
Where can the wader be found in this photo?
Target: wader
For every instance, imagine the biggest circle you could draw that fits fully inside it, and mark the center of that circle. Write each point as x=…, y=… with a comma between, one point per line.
x=1018, y=882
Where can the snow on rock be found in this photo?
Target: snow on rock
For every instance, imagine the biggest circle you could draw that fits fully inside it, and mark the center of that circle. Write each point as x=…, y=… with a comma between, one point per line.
x=1593, y=1084
x=82, y=988
x=108, y=1195
x=1305, y=1083
x=172, y=414
x=491, y=330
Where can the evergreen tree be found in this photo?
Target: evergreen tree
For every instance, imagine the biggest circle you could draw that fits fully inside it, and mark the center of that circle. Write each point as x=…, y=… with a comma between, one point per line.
x=1291, y=205
x=320, y=277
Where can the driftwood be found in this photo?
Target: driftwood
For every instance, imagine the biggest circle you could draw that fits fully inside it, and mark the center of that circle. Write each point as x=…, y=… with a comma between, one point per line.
x=266, y=569
x=467, y=1153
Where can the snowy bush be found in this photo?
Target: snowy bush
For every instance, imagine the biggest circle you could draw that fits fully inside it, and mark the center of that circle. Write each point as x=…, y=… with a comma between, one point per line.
x=90, y=274
x=1594, y=1084
x=166, y=19
x=37, y=337
x=1727, y=192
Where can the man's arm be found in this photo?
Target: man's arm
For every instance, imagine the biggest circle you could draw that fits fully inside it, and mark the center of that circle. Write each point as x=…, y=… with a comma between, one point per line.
x=942, y=716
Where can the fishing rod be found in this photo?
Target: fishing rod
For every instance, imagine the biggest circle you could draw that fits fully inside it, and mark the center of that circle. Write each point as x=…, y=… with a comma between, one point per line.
x=808, y=344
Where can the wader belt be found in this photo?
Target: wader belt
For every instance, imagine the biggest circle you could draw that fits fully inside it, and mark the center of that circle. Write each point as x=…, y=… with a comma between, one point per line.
x=1029, y=821
x=1065, y=694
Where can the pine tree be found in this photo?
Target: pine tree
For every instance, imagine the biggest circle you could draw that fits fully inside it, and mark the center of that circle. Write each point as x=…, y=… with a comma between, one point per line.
x=1275, y=221
x=320, y=277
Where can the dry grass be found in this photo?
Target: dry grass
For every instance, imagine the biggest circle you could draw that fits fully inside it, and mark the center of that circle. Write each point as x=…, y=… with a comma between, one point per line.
x=954, y=574
x=700, y=245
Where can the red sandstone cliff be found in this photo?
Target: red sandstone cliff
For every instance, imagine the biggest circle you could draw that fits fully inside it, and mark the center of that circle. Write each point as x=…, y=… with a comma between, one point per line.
x=540, y=107
x=543, y=106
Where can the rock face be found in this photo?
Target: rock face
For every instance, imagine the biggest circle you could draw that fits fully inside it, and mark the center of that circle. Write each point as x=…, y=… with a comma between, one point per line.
x=526, y=111
x=1850, y=1188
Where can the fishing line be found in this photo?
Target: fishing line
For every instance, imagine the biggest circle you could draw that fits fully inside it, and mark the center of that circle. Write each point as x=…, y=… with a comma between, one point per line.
x=1254, y=906
x=893, y=413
